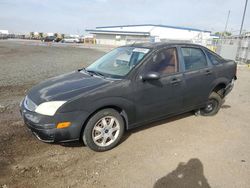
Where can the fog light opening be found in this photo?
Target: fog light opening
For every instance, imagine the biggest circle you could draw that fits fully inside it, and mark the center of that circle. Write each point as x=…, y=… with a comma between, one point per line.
x=63, y=125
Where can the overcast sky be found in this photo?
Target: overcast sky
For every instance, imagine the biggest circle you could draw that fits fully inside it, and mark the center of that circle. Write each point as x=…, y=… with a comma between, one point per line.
x=74, y=16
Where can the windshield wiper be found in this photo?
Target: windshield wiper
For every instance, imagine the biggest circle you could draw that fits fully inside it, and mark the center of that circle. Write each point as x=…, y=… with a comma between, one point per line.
x=95, y=72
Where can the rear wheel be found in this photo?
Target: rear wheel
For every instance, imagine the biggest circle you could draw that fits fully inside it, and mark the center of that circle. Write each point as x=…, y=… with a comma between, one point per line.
x=213, y=105
x=103, y=130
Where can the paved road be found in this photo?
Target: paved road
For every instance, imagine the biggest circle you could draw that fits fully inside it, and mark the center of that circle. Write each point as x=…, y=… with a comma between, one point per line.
x=184, y=150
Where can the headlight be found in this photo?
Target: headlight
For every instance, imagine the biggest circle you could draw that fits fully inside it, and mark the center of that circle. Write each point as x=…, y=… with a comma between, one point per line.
x=49, y=108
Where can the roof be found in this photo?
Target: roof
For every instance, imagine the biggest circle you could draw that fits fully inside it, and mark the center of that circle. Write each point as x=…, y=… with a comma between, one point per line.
x=152, y=45
x=155, y=25
x=96, y=31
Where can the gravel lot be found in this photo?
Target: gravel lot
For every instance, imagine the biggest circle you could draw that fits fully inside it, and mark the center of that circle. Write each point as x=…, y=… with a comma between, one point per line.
x=184, y=151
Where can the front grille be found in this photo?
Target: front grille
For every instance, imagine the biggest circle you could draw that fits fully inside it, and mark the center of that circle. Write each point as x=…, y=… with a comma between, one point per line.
x=29, y=104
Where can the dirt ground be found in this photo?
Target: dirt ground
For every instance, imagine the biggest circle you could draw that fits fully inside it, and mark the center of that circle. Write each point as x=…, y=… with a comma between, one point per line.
x=184, y=151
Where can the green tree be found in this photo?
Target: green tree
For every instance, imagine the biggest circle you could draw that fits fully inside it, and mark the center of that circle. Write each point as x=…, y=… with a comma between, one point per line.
x=223, y=34
x=40, y=35
x=31, y=35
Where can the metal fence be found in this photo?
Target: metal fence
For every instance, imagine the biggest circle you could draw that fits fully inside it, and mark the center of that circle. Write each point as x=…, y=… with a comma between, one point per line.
x=236, y=48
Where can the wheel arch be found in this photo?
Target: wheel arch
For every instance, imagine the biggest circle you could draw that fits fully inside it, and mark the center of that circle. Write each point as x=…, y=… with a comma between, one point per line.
x=121, y=111
x=218, y=85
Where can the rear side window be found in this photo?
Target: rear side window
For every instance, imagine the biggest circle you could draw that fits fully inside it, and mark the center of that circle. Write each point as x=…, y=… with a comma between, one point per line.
x=164, y=62
x=213, y=58
x=194, y=58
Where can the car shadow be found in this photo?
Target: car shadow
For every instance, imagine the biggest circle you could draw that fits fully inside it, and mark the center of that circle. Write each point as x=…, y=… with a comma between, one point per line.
x=72, y=144
x=130, y=132
x=151, y=125
x=190, y=174
x=225, y=106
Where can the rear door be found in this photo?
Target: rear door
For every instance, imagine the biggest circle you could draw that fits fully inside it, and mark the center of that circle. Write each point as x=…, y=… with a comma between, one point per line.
x=198, y=75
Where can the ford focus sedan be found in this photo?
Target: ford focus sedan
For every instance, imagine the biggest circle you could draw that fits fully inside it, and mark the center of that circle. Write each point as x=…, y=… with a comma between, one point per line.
x=126, y=88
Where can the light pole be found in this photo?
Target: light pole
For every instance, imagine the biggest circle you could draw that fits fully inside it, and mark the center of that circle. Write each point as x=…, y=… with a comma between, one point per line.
x=226, y=23
x=243, y=17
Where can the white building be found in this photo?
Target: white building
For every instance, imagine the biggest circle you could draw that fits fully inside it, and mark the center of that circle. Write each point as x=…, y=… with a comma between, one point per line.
x=4, y=32
x=126, y=34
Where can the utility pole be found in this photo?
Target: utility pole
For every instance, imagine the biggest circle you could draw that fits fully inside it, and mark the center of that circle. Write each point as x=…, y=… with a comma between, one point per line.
x=243, y=18
x=222, y=33
x=227, y=22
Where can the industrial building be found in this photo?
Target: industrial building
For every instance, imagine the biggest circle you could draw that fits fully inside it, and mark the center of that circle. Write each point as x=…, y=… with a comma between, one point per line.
x=127, y=34
x=4, y=34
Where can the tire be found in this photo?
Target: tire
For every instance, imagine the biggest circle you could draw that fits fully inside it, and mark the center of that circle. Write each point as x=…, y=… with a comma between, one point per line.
x=213, y=105
x=221, y=93
x=104, y=130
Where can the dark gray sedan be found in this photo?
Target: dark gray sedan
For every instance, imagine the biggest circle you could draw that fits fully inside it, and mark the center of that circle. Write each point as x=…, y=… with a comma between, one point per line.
x=128, y=87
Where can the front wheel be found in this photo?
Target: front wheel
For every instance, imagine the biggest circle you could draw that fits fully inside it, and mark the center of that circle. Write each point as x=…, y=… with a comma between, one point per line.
x=213, y=105
x=103, y=130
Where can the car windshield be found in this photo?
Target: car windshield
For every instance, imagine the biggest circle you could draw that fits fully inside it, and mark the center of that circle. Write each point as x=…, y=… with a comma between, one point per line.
x=118, y=62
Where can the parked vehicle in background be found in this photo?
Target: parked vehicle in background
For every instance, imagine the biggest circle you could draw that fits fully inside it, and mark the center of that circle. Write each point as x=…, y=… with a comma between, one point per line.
x=126, y=88
x=3, y=36
x=49, y=39
x=57, y=39
x=70, y=40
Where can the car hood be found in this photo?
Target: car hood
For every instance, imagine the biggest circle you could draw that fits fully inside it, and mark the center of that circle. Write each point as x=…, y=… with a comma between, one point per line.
x=65, y=87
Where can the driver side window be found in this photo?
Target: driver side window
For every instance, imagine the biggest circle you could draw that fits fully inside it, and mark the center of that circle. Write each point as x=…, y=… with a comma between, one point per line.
x=164, y=62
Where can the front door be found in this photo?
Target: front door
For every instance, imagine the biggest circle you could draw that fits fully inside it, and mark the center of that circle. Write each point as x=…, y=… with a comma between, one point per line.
x=157, y=98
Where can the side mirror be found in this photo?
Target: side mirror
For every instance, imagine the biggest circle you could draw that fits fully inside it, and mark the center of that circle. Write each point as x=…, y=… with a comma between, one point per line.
x=150, y=76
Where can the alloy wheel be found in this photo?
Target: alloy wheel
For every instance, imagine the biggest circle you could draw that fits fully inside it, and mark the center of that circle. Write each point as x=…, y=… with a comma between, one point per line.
x=105, y=131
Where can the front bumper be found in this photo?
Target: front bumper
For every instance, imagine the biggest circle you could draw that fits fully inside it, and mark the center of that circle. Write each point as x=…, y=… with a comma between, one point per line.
x=44, y=127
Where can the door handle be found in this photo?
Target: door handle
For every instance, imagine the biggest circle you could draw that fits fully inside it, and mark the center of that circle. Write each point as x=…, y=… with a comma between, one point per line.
x=175, y=81
x=208, y=72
